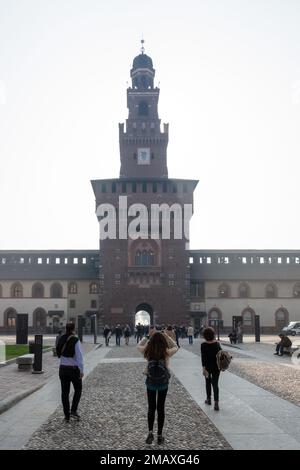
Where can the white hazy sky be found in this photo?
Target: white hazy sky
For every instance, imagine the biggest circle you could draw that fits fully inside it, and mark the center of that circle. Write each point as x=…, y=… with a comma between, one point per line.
x=229, y=73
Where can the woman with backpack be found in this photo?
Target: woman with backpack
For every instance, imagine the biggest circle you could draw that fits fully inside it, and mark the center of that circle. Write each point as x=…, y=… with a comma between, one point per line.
x=209, y=351
x=157, y=350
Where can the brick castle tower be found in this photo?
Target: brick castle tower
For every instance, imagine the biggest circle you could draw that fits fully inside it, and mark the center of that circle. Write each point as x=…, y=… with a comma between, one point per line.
x=149, y=272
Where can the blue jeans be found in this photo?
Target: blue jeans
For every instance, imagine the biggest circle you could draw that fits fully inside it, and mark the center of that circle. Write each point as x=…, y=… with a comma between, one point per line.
x=118, y=340
x=190, y=340
x=279, y=349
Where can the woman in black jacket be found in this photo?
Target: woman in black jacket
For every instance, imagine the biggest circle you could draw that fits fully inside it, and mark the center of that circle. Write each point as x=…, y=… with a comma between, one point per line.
x=209, y=350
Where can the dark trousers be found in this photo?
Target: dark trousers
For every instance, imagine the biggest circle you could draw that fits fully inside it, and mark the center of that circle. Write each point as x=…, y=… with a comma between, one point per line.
x=67, y=376
x=279, y=348
x=118, y=340
x=190, y=340
x=156, y=401
x=212, y=381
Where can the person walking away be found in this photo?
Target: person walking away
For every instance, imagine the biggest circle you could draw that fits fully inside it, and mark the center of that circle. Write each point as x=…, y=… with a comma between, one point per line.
x=127, y=333
x=59, y=334
x=70, y=370
x=139, y=332
x=170, y=332
x=232, y=337
x=118, y=332
x=285, y=342
x=190, y=333
x=177, y=334
x=209, y=350
x=157, y=350
x=107, y=334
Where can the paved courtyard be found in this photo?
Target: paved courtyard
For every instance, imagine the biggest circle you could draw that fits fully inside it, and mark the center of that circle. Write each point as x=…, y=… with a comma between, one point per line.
x=259, y=400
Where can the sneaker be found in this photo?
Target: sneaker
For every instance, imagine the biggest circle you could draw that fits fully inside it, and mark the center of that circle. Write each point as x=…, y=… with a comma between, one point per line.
x=216, y=407
x=276, y=354
x=75, y=415
x=160, y=439
x=150, y=438
x=208, y=401
x=67, y=419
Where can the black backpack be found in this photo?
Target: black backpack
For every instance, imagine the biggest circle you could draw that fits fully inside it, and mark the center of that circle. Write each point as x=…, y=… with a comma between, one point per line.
x=66, y=346
x=157, y=373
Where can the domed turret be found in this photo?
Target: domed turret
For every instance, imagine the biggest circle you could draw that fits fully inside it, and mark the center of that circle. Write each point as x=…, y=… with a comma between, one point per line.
x=142, y=61
x=142, y=72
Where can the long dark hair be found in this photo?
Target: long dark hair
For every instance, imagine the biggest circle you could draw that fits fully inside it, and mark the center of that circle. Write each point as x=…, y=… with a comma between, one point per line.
x=156, y=349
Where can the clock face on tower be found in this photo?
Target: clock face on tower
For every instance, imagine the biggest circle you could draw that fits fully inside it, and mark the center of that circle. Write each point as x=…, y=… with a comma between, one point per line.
x=143, y=156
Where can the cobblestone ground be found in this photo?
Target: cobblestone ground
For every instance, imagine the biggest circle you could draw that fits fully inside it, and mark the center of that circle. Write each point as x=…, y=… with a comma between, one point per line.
x=14, y=381
x=114, y=414
x=281, y=380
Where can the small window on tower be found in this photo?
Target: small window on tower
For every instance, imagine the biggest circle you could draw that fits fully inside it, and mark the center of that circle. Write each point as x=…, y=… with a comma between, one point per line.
x=143, y=109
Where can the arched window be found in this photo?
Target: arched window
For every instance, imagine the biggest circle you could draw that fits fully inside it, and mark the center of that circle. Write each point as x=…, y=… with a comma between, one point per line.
x=224, y=290
x=143, y=109
x=296, y=290
x=281, y=318
x=271, y=291
x=248, y=320
x=144, y=258
x=214, y=314
x=10, y=318
x=244, y=290
x=38, y=290
x=94, y=288
x=73, y=288
x=138, y=258
x=39, y=319
x=17, y=290
x=56, y=291
x=150, y=258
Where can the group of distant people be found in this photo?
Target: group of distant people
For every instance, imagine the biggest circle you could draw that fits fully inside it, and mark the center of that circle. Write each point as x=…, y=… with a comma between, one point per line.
x=157, y=345
x=139, y=331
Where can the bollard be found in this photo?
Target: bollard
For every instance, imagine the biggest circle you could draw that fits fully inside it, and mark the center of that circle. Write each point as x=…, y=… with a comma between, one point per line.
x=38, y=355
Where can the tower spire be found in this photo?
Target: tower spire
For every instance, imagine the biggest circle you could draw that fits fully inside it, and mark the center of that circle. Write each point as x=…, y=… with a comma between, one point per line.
x=142, y=42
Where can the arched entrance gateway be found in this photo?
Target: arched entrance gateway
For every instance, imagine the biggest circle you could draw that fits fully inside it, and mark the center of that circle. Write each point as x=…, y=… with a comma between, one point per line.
x=143, y=314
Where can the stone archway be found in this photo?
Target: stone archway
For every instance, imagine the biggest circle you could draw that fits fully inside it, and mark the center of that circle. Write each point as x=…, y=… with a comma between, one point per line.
x=10, y=319
x=143, y=314
x=39, y=320
x=281, y=318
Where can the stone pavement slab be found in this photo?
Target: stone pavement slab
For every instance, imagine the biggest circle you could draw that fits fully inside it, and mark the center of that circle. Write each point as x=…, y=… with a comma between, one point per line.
x=242, y=419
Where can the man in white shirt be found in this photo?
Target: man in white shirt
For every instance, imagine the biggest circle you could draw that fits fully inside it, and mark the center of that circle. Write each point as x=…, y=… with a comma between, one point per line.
x=70, y=370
